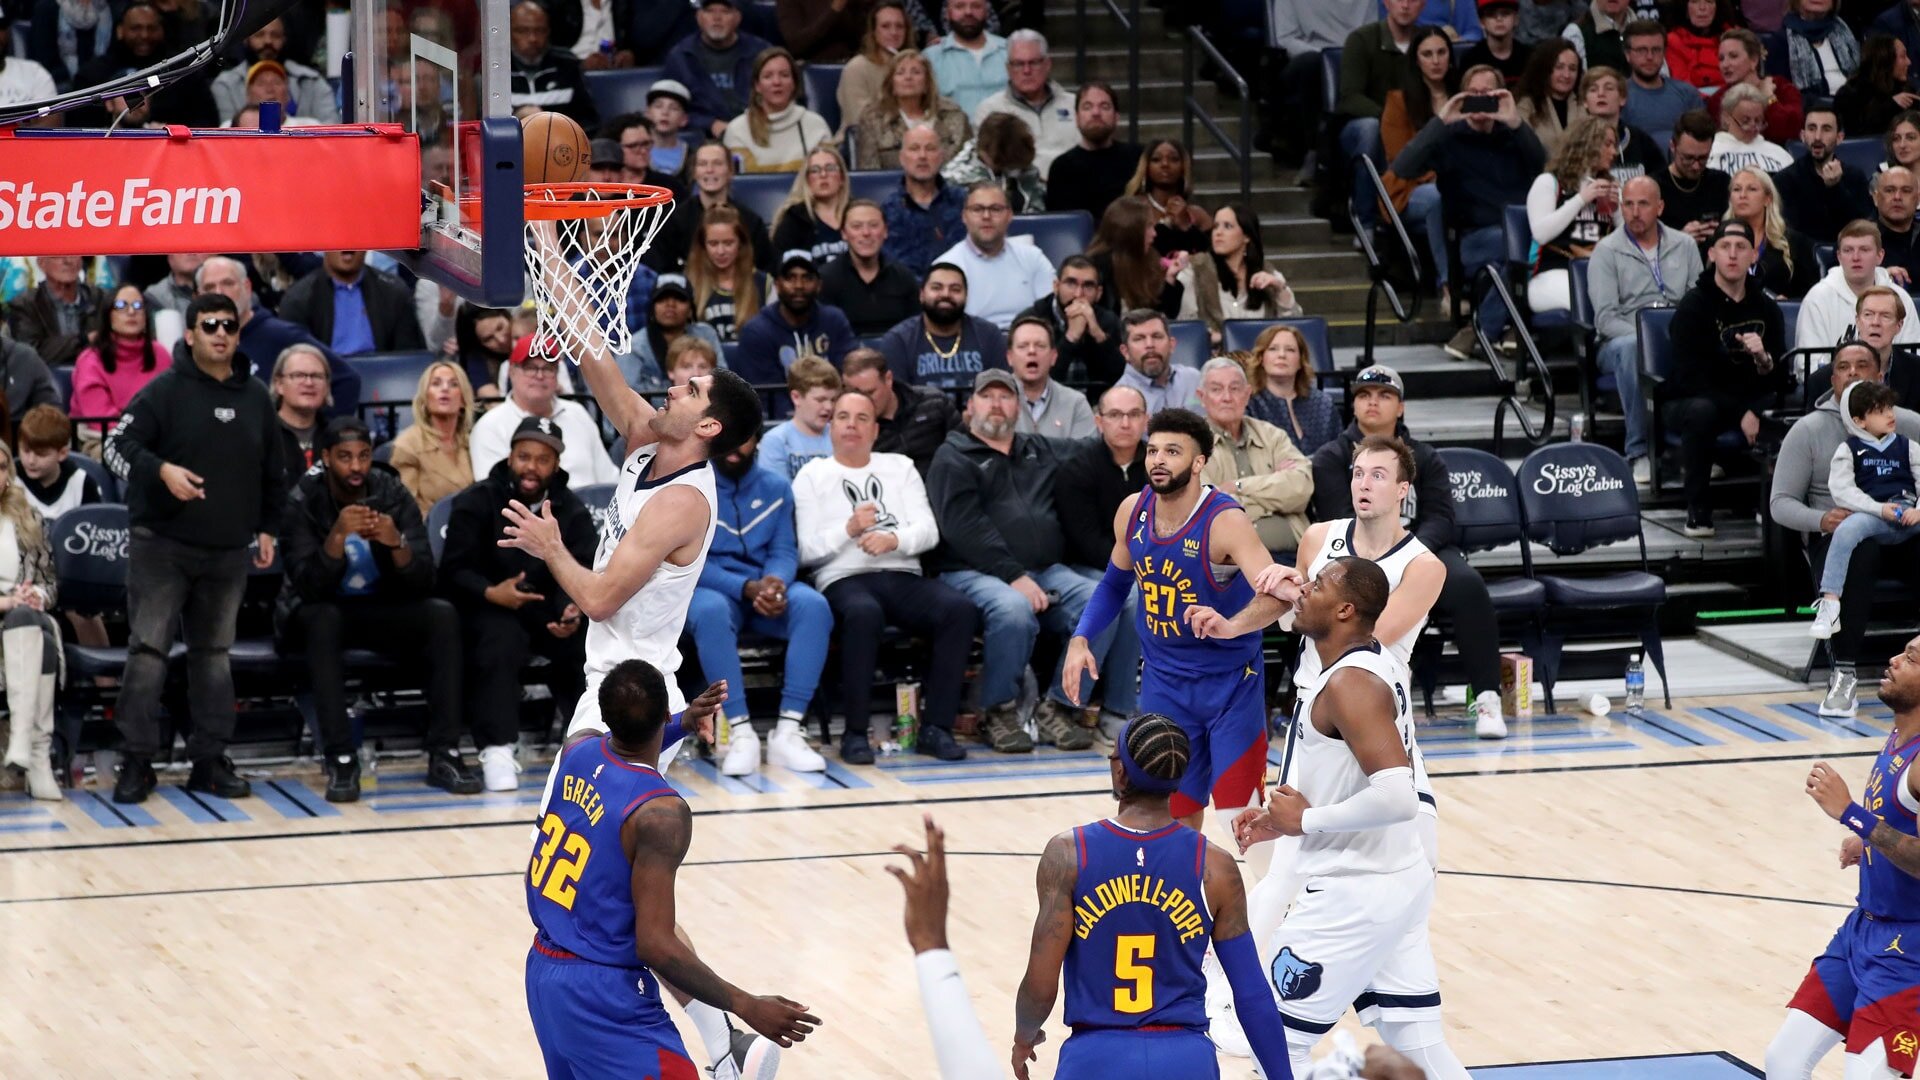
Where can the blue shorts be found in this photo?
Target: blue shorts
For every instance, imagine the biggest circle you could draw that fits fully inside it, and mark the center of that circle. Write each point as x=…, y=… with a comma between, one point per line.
x=1866, y=986
x=595, y=1021
x=1147, y=1055
x=1225, y=718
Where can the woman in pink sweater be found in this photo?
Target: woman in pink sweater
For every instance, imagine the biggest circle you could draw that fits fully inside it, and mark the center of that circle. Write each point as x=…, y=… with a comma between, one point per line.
x=122, y=359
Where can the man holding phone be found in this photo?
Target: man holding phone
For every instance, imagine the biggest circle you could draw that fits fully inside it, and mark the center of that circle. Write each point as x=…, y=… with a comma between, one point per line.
x=1694, y=195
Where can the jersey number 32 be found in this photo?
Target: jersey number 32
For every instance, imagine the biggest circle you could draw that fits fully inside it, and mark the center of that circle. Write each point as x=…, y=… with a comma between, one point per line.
x=555, y=877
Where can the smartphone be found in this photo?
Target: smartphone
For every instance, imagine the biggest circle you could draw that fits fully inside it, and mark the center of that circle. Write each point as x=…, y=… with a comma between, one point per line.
x=1480, y=103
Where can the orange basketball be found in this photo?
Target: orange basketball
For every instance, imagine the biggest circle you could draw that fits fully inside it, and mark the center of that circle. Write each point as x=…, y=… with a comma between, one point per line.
x=554, y=149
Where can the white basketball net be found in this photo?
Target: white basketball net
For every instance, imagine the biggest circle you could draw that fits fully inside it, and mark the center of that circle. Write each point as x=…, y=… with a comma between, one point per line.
x=580, y=268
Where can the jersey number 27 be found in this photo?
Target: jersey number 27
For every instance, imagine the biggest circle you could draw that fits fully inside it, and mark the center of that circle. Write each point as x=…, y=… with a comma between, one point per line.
x=555, y=877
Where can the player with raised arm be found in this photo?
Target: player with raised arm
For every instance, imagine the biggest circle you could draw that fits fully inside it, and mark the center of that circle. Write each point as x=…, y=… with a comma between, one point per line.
x=1128, y=906
x=1865, y=988
x=1192, y=549
x=1347, y=790
x=600, y=890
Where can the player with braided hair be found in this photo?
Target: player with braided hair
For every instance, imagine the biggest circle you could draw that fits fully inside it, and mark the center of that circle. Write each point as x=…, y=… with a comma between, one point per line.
x=1128, y=906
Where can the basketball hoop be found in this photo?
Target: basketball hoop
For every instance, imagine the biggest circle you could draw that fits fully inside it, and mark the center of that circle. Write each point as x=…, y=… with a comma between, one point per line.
x=583, y=244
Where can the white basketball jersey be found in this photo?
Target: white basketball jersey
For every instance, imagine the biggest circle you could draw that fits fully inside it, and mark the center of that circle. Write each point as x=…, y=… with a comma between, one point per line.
x=647, y=627
x=1323, y=769
x=1394, y=563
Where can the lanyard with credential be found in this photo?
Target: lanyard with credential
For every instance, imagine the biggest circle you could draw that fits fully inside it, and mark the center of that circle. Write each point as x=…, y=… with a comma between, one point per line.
x=1653, y=265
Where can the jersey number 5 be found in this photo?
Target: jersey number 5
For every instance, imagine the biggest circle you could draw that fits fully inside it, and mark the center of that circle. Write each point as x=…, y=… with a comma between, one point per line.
x=555, y=877
x=1136, y=996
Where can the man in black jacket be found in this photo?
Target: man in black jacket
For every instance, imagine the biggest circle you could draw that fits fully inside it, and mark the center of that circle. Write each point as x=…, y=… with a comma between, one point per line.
x=1096, y=476
x=1000, y=543
x=1089, y=334
x=56, y=317
x=1819, y=193
x=544, y=77
x=914, y=420
x=510, y=607
x=354, y=308
x=194, y=453
x=1379, y=403
x=360, y=574
x=1728, y=339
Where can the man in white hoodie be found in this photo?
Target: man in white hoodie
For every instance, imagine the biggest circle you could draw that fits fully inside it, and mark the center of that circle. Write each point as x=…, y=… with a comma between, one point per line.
x=1827, y=312
x=863, y=521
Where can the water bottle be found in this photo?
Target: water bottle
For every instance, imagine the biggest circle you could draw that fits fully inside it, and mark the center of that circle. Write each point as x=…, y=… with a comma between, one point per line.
x=1579, y=427
x=1636, y=686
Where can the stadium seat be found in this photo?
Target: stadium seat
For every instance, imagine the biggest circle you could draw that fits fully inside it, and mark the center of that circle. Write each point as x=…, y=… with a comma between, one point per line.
x=597, y=497
x=388, y=380
x=763, y=193
x=1656, y=364
x=1578, y=496
x=1581, y=315
x=1823, y=253
x=103, y=477
x=1863, y=154
x=1058, y=236
x=1790, y=316
x=90, y=556
x=63, y=382
x=1191, y=345
x=729, y=352
x=384, y=453
x=622, y=90
x=822, y=83
x=1329, y=80
x=437, y=519
x=875, y=184
x=1238, y=335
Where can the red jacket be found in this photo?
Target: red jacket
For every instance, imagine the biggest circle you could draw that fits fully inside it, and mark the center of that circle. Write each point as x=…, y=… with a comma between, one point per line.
x=1693, y=59
x=1784, y=112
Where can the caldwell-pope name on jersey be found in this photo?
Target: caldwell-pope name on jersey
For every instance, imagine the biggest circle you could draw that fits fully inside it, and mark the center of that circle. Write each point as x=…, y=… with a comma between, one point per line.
x=1147, y=889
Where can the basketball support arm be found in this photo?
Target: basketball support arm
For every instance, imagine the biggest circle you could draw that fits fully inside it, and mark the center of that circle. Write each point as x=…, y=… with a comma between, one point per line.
x=1388, y=799
x=1108, y=598
x=1253, y=1002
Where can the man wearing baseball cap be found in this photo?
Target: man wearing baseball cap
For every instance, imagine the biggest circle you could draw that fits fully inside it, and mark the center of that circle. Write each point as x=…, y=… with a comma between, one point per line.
x=716, y=66
x=1002, y=545
x=360, y=575
x=799, y=325
x=510, y=608
x=1728, y=340
x=669, y=318
x=533, y=389
x=1379, y=408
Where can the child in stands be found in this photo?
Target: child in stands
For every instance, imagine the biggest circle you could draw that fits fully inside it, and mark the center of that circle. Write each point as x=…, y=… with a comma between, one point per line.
x=1873, y=476
x=53, y=483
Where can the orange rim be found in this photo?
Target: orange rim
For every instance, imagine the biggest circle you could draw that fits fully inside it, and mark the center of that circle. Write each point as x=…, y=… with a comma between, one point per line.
x=557, y=202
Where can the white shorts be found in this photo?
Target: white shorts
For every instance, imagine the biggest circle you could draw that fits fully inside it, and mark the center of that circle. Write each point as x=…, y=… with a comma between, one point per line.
x=1358, y=940
x=586, y=717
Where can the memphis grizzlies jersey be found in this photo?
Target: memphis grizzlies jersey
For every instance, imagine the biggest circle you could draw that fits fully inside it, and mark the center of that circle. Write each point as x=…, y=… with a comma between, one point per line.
x=579, y=881
x=1175, y=573
x=1140, y=928
x=1323, y=769
x=1886, y=891
x=647, y=627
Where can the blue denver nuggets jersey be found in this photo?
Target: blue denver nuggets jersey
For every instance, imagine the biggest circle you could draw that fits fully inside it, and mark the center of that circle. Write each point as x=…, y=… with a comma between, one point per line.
x=1886, y=891
x=1175, y=573
x=579, y=882
x=1140, y=929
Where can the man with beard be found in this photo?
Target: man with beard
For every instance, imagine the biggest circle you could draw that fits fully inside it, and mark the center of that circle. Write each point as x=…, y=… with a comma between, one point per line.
x=969, y=64
x=138, y=39
x=750, y=582
x=716, y=67
x=1861, y=989
x=1093, y=174
x=1147, y=347
x=1819, y=193
x=923, y=215
x=544, y=77
x=944, y=346
x=360, y=575
x=510, y=608
x=799, y=325
x=312, y=96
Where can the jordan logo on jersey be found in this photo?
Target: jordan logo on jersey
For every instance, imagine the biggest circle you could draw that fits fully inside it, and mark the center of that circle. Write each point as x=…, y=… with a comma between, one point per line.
x=1294, y=977
x=1894, y=946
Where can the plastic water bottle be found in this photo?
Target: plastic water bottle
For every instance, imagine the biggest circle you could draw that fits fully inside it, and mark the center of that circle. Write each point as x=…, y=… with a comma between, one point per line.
x=1636, y=685
x=1579, y=427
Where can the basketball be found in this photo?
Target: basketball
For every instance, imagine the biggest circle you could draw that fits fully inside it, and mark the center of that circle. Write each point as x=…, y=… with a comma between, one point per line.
x=555, y=149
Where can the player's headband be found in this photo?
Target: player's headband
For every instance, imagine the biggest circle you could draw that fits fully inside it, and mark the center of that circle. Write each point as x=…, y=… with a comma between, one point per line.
x=1139, y=779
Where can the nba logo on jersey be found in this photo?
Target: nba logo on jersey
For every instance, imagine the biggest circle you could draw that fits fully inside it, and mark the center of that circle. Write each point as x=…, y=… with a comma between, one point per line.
x=1140, y=856
x=1295, y=977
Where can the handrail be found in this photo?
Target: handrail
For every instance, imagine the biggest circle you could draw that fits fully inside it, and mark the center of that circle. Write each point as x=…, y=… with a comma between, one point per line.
x=1377, y=266
x=1129, y=21
x=1241, y=149
x=1509, y=384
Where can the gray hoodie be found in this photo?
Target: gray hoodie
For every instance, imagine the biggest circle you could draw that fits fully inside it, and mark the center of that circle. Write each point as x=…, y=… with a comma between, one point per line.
x=1842, y=479
x=1800, y=493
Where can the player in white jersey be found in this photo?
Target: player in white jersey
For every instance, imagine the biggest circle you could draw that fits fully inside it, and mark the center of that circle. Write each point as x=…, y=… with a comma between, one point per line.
x=1347, y=791
x=652, y=547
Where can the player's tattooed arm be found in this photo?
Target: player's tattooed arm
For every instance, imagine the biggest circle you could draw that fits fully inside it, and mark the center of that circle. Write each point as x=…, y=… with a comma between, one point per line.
x=1226, y=894
x=657, y=837
x=1052, y=930
x=1899, y=848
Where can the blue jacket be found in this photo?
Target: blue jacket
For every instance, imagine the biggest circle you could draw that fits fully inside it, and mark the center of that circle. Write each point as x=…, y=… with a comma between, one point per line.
x=711, y=101
x=755, y=535
x=916, y=235
x=769, y=344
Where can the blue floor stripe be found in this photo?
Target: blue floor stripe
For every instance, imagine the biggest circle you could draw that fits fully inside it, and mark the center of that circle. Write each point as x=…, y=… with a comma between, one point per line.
x=1489, y=747
x=844, y=776
x=292, y=799
x=1514, y=735
x=1808, y=713
x=457, y=802
x=25, y=811
x=34, y=826
x=1667, y=729
x=1743, y=723
x=956, y=778
x=180, y=800
x=110, y=815
x=917, y=764
x=732, y=785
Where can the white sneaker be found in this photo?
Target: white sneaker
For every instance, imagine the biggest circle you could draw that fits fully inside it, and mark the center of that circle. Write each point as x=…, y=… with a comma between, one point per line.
x=1826, y=618
x=1642, y=472
x=499, y=769
x=743, y=751
x=753, y=1057
x=1223, y=1026
x=787, y=747
x=1487, y=722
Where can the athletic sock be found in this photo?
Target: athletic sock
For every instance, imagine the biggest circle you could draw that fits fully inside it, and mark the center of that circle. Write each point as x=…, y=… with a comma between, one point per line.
x=711, y=1023
x=1798, y=1046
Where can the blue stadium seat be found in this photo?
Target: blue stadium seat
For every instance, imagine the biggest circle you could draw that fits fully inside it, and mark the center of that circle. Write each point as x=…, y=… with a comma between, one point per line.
x=1237, y=335
x=1191, y=345
x=1863, y=154
x=763, y=193
x=729, y=352
x=103, y=477
x=63, y=382
x=1790, y=315
x=1578, y=496
x=823, y=91
x=393, y=376
x=1329, y=80
x=598, y=498
x=875, y=184
x=1059, y=236
x=90, y=563
x=1519, y=238
x=622, y=90
x=1824, y=254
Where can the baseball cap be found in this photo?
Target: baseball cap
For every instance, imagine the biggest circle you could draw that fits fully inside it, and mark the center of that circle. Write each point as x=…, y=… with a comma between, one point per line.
x=342, y=429
x=675, y=284
x=798, y=257
x=699, y=5
x=266, y=65
x=995, y=377
x=606, y=154
x=672, y=88
x=525, y=351
x=1491, y=5
x=1381, y=375
x=1732, y=228
x=540, y=429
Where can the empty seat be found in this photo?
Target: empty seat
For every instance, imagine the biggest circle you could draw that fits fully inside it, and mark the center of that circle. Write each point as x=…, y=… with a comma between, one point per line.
x=822, y=83
x=763, y=193
x=1059, y=236
x=622, y=90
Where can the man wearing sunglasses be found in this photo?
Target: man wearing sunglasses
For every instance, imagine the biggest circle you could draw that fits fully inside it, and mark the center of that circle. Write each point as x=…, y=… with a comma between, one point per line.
x=195, y=454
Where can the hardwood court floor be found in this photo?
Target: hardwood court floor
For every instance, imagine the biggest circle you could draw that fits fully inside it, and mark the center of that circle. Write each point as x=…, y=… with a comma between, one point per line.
x=1650, y=888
